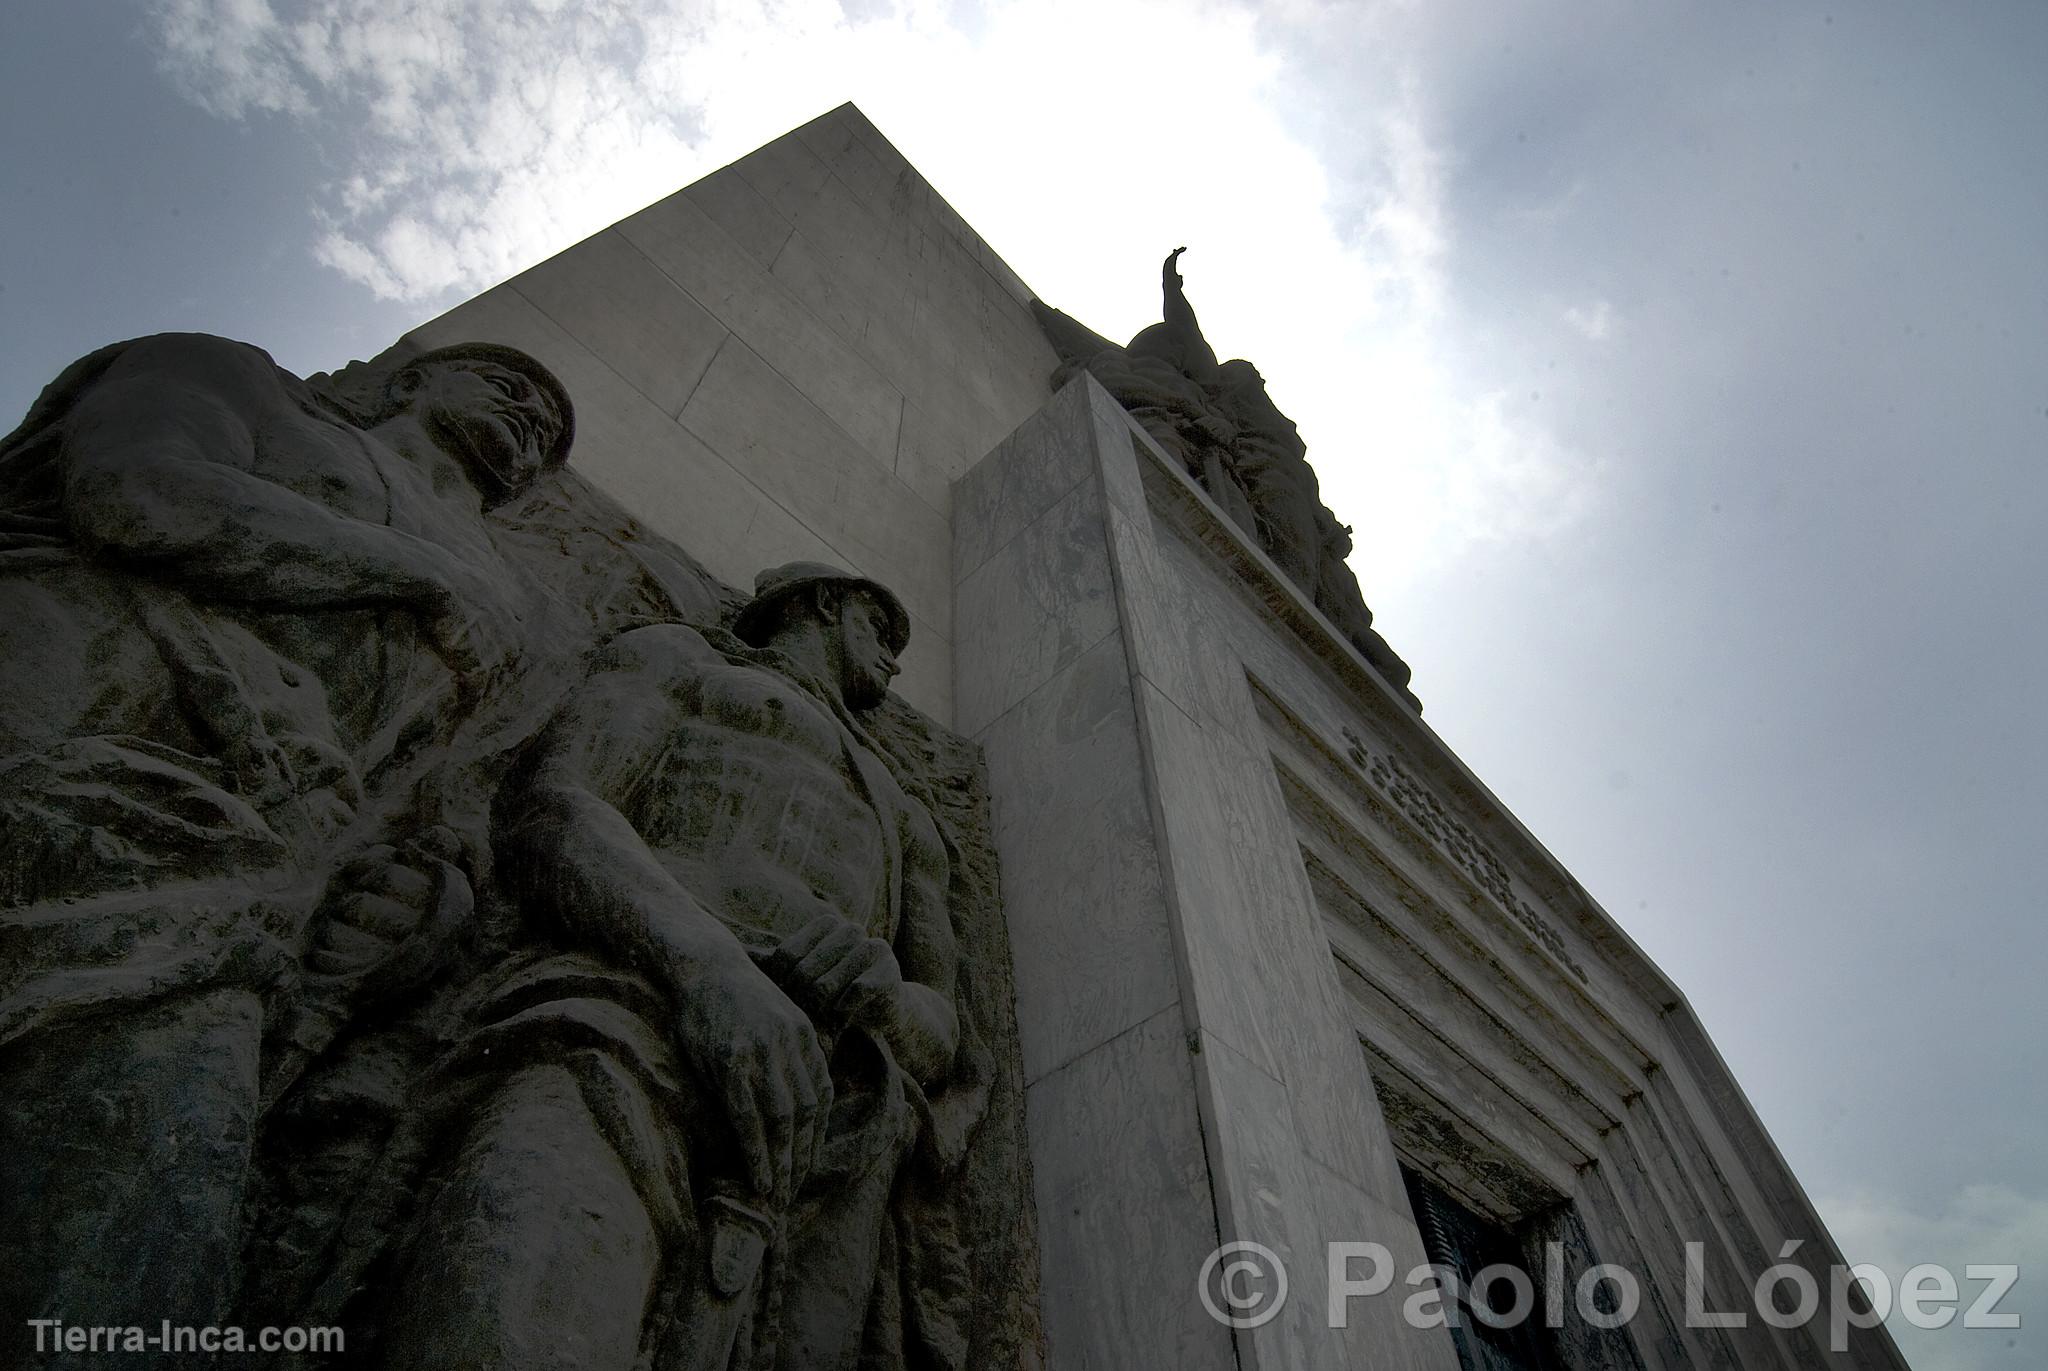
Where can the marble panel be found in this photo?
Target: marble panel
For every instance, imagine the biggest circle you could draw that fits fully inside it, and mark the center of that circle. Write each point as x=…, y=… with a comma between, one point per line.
x=664, y=475
x=1235, y=966
x=1336, y=1112
x=730, y=201
x=785, y=173
x=1036, y=466
x=1266, y=1194
x=1174, y=644
x=1032, y=609
x=1082, y=895
x=1021, y=361
x=832, y=138
x=875, y=140
x=946, y=346
x=838, y=215
x=1331, y=1092
x=609, y=296
x=828, y=135
x=870, y=303
x=1116, y=440
x=863, y=289
x=1125, y=1211
x=949, y=267
x=1006, y=280
x=757, y=420
x=934, y=447
x=1251, y=937
x=722, y=277
x=1375, y=1333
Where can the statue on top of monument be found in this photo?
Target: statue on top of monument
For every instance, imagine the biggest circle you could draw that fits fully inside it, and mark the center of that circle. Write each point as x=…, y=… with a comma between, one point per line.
x=1218, y=419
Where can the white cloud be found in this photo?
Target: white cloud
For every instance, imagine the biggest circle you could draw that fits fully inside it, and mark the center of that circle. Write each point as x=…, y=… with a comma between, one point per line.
x=1083, y=139
x=474, y=138
x=1981, y=1224
x=230, y=56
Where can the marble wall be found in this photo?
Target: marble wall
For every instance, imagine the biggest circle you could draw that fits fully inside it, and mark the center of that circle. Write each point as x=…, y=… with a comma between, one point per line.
x=1271, y=936
x=792, y=358
x=1191, y=1078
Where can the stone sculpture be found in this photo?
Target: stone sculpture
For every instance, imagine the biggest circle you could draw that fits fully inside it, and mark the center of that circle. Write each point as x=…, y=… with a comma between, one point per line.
x=710, y=826
x=1218, y=420
x=340, y=954
x=222, y=606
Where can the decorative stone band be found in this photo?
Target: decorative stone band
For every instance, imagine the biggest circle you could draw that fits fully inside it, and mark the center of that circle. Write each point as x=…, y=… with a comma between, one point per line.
x=1457, y=842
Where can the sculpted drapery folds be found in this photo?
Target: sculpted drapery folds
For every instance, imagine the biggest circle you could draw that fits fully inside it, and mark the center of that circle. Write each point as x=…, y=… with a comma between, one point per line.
x=394, y=891
x=234, y=615
x=1217, y=418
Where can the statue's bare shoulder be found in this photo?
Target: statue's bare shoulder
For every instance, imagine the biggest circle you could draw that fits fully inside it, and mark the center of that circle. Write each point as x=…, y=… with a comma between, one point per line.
x=658, y=654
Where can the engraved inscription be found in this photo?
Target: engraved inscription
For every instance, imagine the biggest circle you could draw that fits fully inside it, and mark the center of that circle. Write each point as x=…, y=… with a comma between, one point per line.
x=1456, y=841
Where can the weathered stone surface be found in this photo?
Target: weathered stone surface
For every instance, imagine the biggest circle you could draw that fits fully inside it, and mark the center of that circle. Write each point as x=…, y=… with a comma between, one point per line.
x=1159, y=884
x=1076, y=737
x=434, y=906
x=1122, y=1242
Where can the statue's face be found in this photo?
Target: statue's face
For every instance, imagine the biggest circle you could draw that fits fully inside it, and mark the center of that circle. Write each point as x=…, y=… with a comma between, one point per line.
x=867, y=663
x=490, y=418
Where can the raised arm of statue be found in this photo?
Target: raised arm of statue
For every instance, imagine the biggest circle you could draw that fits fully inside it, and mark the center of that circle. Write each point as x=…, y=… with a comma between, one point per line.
x=581, y=863
x=1170, y=283
x=927, y=1028
x=160, y=472
x=1177, y=312
x=1179, y=339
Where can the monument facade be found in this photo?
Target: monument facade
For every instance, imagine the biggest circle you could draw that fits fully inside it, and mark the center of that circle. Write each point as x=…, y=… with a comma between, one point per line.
x=756, y=796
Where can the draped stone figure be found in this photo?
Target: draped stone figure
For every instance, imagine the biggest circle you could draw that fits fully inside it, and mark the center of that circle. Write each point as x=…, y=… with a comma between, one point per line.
x=227, y=609
x=320, y=989
x=1217, y=418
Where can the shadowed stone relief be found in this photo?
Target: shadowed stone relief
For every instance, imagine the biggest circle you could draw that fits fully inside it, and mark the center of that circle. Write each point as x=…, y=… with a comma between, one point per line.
x=435, y=907
x=1217, y=418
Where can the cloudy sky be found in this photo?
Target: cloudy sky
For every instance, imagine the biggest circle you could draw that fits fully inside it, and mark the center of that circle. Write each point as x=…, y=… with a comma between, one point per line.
x=1684, y=370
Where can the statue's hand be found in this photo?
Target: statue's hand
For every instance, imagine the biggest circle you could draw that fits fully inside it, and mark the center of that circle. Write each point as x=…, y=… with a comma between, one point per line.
x=837, y=972
x=381, y=899
x=1169, y=273
x=761, y=1054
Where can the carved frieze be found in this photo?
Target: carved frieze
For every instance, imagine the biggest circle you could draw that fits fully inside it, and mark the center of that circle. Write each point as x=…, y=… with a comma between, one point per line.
x=1456, y=841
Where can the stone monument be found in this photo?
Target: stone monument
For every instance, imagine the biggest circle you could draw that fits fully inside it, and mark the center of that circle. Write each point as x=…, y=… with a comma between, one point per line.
x=438, y=909
x=444, y=909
